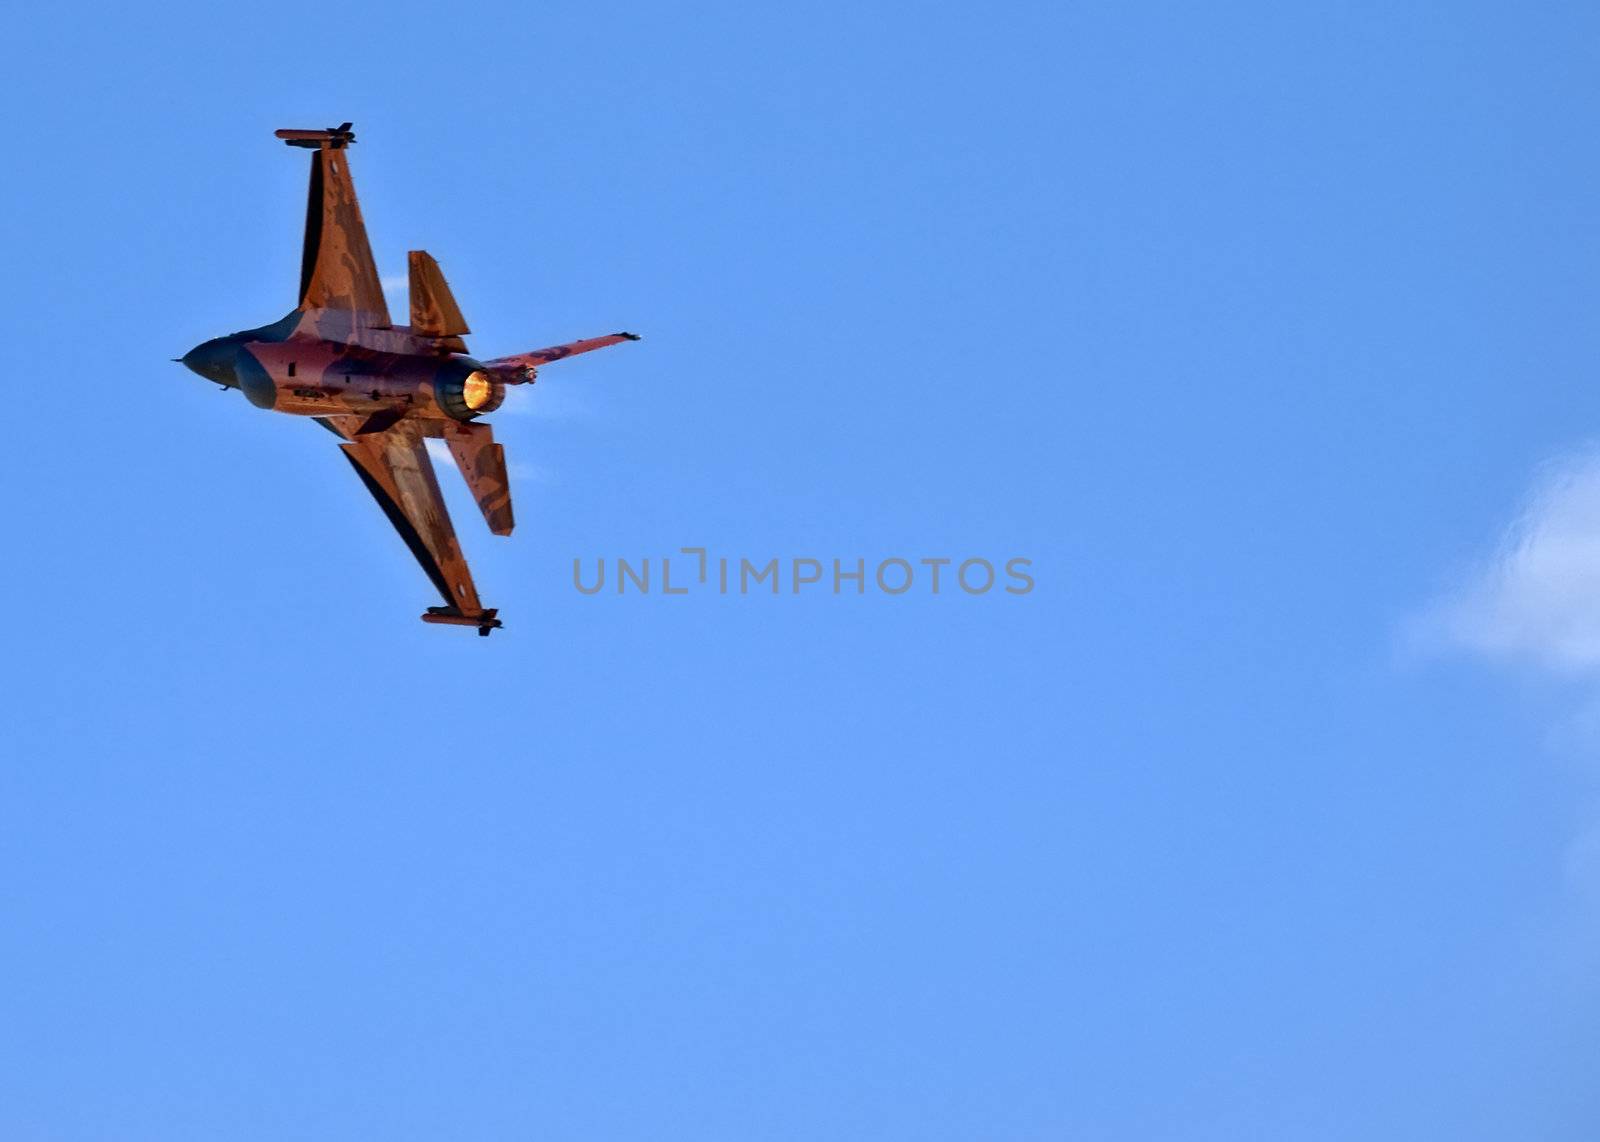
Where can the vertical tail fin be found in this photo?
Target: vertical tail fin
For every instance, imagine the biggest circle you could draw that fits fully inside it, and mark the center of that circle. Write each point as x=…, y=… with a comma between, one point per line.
x=434, y=312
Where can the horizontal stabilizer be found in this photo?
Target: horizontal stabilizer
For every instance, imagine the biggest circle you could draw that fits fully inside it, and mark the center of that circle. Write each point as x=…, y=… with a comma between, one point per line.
x=483, y=466
x=528, y=362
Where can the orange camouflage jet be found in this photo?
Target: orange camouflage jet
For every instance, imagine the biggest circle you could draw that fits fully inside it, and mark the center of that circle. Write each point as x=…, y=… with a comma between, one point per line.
x=384, y=388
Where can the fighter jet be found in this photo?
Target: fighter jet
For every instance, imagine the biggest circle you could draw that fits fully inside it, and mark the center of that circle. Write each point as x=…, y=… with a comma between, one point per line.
x=384, y=388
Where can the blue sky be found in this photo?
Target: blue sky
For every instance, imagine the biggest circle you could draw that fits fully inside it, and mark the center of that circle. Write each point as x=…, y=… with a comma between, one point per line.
x=1269, y=813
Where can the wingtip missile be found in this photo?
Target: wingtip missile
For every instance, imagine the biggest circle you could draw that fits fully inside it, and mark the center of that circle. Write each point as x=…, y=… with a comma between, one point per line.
x=484, y=620
x=335, y=137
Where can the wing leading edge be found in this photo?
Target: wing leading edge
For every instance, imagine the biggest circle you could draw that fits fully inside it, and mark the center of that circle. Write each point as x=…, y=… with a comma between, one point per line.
x=397, y=471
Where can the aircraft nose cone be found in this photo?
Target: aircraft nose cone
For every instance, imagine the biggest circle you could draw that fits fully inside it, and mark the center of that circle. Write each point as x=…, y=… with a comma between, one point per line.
x=213, y=360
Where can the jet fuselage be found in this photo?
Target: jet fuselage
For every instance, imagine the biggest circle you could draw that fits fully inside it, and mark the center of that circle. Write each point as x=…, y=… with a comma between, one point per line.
x=309, y=376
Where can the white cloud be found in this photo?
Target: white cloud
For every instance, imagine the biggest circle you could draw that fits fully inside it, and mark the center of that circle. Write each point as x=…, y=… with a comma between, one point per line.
x=1536, y=604
x=516, y=469
x=533, y=473
x=545, y=401
x=1537, y=601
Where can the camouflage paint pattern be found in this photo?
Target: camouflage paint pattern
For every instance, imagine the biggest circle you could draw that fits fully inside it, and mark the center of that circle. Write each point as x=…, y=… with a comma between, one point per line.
x=483, y=464
x=434, y=312
x=385, y=389
x=339, y=284
x=525, y=364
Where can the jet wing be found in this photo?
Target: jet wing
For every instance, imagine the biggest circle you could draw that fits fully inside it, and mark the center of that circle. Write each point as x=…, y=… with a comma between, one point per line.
x=339, y=286
x=397, y=471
